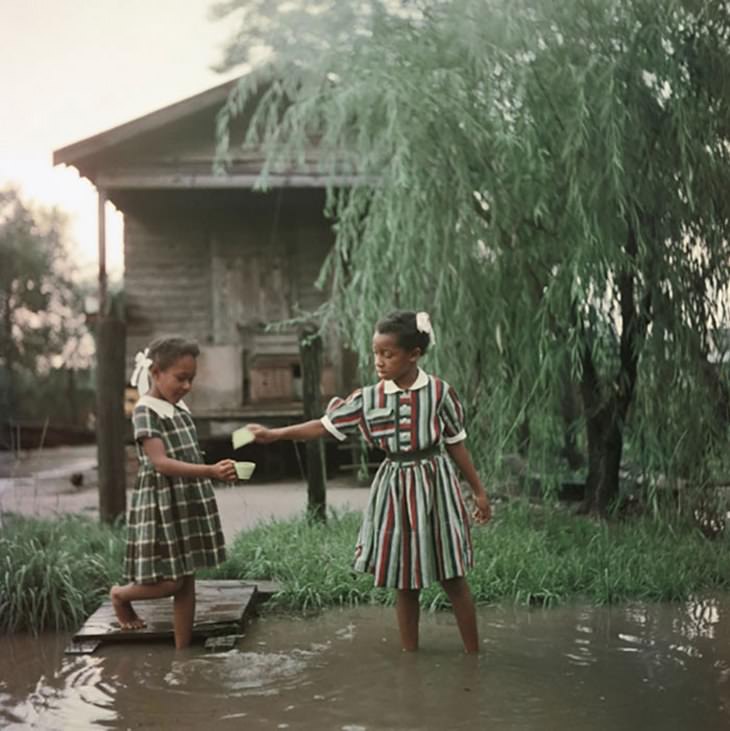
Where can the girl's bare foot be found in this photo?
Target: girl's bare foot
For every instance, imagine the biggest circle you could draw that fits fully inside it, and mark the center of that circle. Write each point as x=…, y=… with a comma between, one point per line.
x=126, y=616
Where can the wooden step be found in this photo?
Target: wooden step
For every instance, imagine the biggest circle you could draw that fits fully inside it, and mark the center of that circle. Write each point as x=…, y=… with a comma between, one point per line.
x=222, y=608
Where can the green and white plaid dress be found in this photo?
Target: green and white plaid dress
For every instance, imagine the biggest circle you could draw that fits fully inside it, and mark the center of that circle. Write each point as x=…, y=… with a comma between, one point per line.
x=173, y=526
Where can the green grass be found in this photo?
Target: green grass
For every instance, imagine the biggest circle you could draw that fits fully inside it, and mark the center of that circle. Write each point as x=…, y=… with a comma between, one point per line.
x=543, y=556
x=53, y=573
x=311, y=561
x=527, y=555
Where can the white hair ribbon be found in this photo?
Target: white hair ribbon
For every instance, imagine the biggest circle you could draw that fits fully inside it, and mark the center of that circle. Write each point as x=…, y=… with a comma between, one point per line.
x=423, y=324
x=141, y=374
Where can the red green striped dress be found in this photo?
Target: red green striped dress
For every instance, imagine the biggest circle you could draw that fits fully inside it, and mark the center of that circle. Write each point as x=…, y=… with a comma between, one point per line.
x=415, y=529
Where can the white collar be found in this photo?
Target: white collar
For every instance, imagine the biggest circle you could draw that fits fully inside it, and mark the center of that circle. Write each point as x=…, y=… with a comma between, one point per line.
x=420, y=382
x=161, y=407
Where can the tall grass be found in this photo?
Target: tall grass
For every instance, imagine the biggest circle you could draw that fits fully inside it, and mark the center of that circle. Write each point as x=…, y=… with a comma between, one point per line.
x=53, y=573
x=545, y=556
x=526, y=555
x=311, y=561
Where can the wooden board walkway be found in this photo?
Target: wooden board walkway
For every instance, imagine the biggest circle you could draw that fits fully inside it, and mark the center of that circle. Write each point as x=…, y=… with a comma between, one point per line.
x=222, y=608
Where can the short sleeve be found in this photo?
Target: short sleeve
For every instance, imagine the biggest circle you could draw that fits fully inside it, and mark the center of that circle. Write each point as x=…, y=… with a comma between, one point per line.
x=452, y=417
x=343, y=416
x=145, y=423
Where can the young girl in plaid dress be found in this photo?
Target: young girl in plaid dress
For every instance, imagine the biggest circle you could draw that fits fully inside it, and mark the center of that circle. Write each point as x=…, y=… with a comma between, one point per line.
x=415, y=529
x=173, y=526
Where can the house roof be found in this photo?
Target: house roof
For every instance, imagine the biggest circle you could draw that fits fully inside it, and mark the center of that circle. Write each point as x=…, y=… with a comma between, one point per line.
x=79, y=151
x=175, y=148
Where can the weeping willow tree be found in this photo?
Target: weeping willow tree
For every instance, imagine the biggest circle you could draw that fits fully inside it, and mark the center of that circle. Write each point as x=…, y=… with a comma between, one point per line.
x=549, y=179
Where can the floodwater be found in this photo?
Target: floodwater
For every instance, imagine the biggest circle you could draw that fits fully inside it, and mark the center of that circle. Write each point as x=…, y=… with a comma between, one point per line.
x=635, y=667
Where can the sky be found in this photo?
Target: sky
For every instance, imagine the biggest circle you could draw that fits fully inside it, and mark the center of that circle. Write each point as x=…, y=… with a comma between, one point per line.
x=73, y=68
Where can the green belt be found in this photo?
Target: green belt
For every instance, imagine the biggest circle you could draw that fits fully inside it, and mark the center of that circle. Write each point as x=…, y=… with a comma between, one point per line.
x=416, y=455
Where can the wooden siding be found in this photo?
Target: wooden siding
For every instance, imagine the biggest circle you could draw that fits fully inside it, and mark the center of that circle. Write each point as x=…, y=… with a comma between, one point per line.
x=207, y=257
x=158, y=159
x=219, y=268
x=167, y=281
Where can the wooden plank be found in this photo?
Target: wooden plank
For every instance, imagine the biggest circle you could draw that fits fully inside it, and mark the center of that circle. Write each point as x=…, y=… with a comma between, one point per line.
x=179, y=301
x=101, y=223
x=271, y=383
x=110, y=420
x=265, y=344
x=82, y=648
x=222, y=607
x=310, y=349
x=222, y=643
x=266, y=589
x=138, y=181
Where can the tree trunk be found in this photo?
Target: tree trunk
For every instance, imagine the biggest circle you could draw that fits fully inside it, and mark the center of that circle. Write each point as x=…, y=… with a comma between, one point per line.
x=606, y=408
x=605, y=447
x=604, y=421
x=7, y=322
x=71, y=393
x=570, y=414
x=310, y=349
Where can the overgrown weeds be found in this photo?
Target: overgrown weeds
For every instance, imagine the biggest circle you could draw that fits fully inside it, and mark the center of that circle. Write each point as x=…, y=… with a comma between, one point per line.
x=54, y=573
x=528, y=555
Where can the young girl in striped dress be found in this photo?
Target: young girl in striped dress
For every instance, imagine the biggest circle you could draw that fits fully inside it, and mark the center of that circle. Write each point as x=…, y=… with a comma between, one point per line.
x=415, y=529
x=173, y=526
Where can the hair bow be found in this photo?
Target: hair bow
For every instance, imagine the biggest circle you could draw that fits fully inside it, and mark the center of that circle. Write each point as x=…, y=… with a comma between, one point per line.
x=423, y=324
x=141, y=374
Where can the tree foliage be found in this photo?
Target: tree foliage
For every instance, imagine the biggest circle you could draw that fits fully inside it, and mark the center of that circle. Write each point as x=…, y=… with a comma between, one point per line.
x=549, y=179
x=40, y=321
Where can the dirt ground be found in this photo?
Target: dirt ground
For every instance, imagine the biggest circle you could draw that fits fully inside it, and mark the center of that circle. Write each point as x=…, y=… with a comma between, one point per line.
x=39, y=484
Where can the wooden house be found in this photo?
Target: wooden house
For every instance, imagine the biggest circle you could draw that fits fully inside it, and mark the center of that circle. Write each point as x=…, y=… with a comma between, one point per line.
x=208, y=257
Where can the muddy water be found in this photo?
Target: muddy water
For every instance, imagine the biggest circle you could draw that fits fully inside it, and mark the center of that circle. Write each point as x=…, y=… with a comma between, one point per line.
x=638, y=667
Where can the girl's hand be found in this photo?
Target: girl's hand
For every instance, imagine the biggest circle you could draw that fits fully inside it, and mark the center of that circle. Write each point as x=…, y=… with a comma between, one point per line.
x=262, y=435
x=225, y=470
x=483, y=512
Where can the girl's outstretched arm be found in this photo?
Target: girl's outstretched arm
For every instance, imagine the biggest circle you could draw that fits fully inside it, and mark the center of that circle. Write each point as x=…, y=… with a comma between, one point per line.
x=302, y=432
x=154, y=448
x=460, y=454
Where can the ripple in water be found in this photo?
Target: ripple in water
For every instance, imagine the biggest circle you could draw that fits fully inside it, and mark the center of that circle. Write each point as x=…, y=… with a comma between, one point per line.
x=74, y=697
x=245, y=673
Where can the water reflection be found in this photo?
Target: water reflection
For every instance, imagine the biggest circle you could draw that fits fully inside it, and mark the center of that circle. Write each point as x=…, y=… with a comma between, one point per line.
x=241, y=673
x=638, y=666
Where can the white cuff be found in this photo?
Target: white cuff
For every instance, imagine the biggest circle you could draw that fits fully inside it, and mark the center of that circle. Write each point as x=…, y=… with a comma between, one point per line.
x=332, y=429
x=460, y=437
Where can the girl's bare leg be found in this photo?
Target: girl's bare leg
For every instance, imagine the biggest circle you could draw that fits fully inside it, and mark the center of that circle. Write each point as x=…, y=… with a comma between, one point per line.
x=408, y=610
x=463, y=605
x=184, y=604
x=123, y=596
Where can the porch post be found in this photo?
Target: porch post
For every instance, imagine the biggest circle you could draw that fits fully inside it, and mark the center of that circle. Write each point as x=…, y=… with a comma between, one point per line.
x=310, y=349
x=110, y=365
